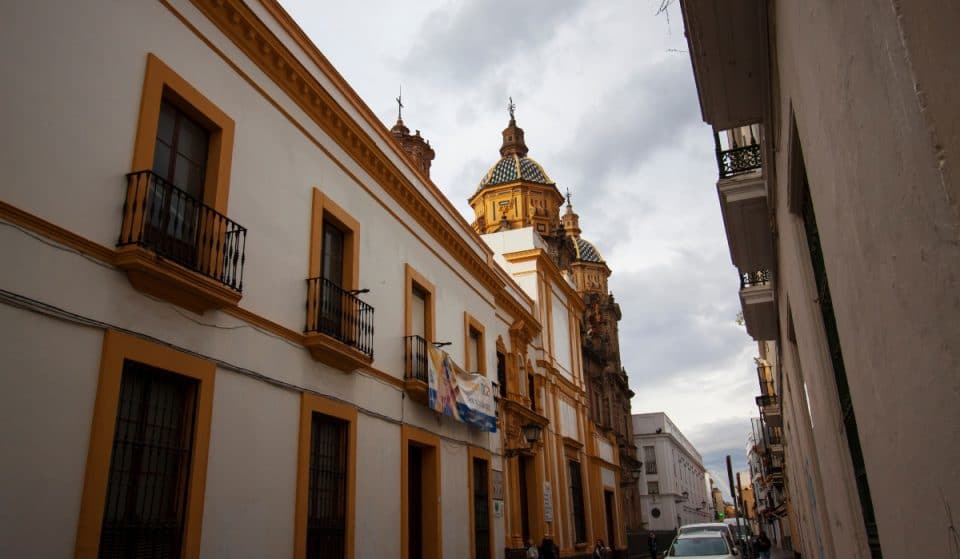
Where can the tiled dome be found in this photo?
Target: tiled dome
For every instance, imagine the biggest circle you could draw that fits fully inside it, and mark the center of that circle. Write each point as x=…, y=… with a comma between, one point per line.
x=587, y=252
x=514, y=167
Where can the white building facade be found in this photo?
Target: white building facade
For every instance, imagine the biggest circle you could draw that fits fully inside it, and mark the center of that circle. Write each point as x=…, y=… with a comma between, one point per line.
x=214, y=251
x=673, y=487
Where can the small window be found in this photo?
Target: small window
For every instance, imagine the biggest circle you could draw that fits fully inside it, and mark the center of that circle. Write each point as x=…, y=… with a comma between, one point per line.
x=650, y=459
x=474, y=349
x=532, y=391
x=576, y=491
x=653, y=488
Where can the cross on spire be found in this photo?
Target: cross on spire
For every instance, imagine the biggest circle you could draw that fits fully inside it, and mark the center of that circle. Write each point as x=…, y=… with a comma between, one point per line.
x=569, y=204
x=400, y=103
x=511, y=107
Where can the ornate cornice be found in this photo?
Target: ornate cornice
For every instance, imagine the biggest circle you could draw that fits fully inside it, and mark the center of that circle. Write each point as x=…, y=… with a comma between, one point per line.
x=238, y=22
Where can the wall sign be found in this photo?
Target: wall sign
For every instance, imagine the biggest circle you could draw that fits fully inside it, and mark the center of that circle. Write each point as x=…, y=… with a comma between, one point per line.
x=497, y=480
x=547, y=502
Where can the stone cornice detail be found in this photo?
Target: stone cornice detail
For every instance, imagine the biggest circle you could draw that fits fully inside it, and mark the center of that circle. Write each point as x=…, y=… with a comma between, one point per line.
x=238, y=22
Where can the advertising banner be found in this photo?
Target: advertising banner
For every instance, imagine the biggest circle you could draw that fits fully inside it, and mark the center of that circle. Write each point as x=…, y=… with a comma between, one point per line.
x=466, y=397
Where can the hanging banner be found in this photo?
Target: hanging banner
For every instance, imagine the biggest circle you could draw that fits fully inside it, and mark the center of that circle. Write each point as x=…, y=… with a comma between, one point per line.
x=466, y=397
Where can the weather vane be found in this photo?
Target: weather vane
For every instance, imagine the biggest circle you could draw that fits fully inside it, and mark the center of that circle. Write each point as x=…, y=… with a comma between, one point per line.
x=511, y=107
x=568, y=197
x=400, y=103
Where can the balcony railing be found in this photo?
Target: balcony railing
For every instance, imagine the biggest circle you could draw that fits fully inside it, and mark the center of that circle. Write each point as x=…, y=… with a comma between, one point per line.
x=767, y=400
x=415, y=358
x=338, y=313
x=176, y=226
x=753, y=279
x=737, y=159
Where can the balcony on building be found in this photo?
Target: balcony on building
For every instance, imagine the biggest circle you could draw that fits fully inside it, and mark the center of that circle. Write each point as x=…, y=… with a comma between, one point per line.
x=339, y=328
x=415, y=368
x=742, y=189
x=175, y=247
x=758, y=304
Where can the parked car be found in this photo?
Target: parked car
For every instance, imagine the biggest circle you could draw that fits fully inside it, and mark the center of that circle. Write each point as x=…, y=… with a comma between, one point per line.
x=711, y=527
x=706, y=544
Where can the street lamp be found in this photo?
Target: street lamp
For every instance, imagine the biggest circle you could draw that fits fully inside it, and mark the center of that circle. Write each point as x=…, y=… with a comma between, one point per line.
x=531, y=434
x=635, y=473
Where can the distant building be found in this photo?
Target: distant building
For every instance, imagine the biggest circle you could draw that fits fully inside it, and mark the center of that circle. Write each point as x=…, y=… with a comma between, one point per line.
x=837, y=136
x=673, y=488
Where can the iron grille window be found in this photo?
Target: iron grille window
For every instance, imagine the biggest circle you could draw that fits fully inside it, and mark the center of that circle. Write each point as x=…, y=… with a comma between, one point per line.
x=150, y=464
x=481, y=510
x=576, y=489
x=327, y=492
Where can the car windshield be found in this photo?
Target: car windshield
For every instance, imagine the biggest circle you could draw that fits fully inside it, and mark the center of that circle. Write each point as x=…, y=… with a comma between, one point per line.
x=698, y=547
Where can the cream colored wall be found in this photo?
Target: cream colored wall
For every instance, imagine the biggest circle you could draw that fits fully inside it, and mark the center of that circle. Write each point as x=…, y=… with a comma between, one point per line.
x=456, y=501
x=560, y=331
x=378, y=493
x=48, y=366
x=252, y=464
x=880, y=144
x=65, y=163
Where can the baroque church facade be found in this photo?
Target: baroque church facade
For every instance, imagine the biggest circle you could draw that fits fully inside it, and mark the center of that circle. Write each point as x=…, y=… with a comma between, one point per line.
x=516, y=193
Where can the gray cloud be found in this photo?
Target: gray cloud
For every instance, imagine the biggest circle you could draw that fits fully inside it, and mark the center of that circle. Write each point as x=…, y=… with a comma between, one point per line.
x=645, y=114
x=467, y=40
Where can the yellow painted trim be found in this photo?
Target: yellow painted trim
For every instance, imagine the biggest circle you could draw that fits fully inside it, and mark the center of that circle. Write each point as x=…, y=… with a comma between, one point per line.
x=474, y=452
x=432, y=521
x=325, y=208
x=412, y=278
x=116, y=348
x=161, y=82
x=472, y=324
x=310, y=404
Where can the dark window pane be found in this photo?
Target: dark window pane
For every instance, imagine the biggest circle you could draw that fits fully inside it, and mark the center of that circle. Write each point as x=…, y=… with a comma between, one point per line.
x=332, y=262
x=576, y=490
x=150, y=464
x=168, y=118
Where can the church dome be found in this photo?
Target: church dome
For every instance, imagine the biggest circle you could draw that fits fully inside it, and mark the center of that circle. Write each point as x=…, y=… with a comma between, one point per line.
x=514, y=167
x=586, y=252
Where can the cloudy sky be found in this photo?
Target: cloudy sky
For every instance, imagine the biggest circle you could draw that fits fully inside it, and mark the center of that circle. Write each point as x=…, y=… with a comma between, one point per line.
x=605, y=94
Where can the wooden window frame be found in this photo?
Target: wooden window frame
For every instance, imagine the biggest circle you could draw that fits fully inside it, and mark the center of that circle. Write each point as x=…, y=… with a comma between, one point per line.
x=473, y=452
x=413, y=278
x=309, y=404
x=471, y=324
x=324, y=209
x=118, y=347
x=433, y=517
x=162, y=83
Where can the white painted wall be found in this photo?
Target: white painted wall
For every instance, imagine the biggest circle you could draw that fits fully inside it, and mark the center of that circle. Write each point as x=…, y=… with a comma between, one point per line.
x=49, y=373
x=252, y=466
x=71, y=145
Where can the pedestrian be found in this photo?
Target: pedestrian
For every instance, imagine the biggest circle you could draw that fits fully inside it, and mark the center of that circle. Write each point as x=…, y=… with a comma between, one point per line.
x=532, y=552
x=547, y=549
x=763, y=545
x=599, y=550
x=652, y=542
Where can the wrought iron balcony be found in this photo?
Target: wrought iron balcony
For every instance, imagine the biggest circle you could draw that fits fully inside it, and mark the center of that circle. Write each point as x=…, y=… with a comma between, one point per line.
x=734, y=159
x=767, y=400
x=415, y=359
x=170, y=223
x=754, y=279
x=339, y=314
